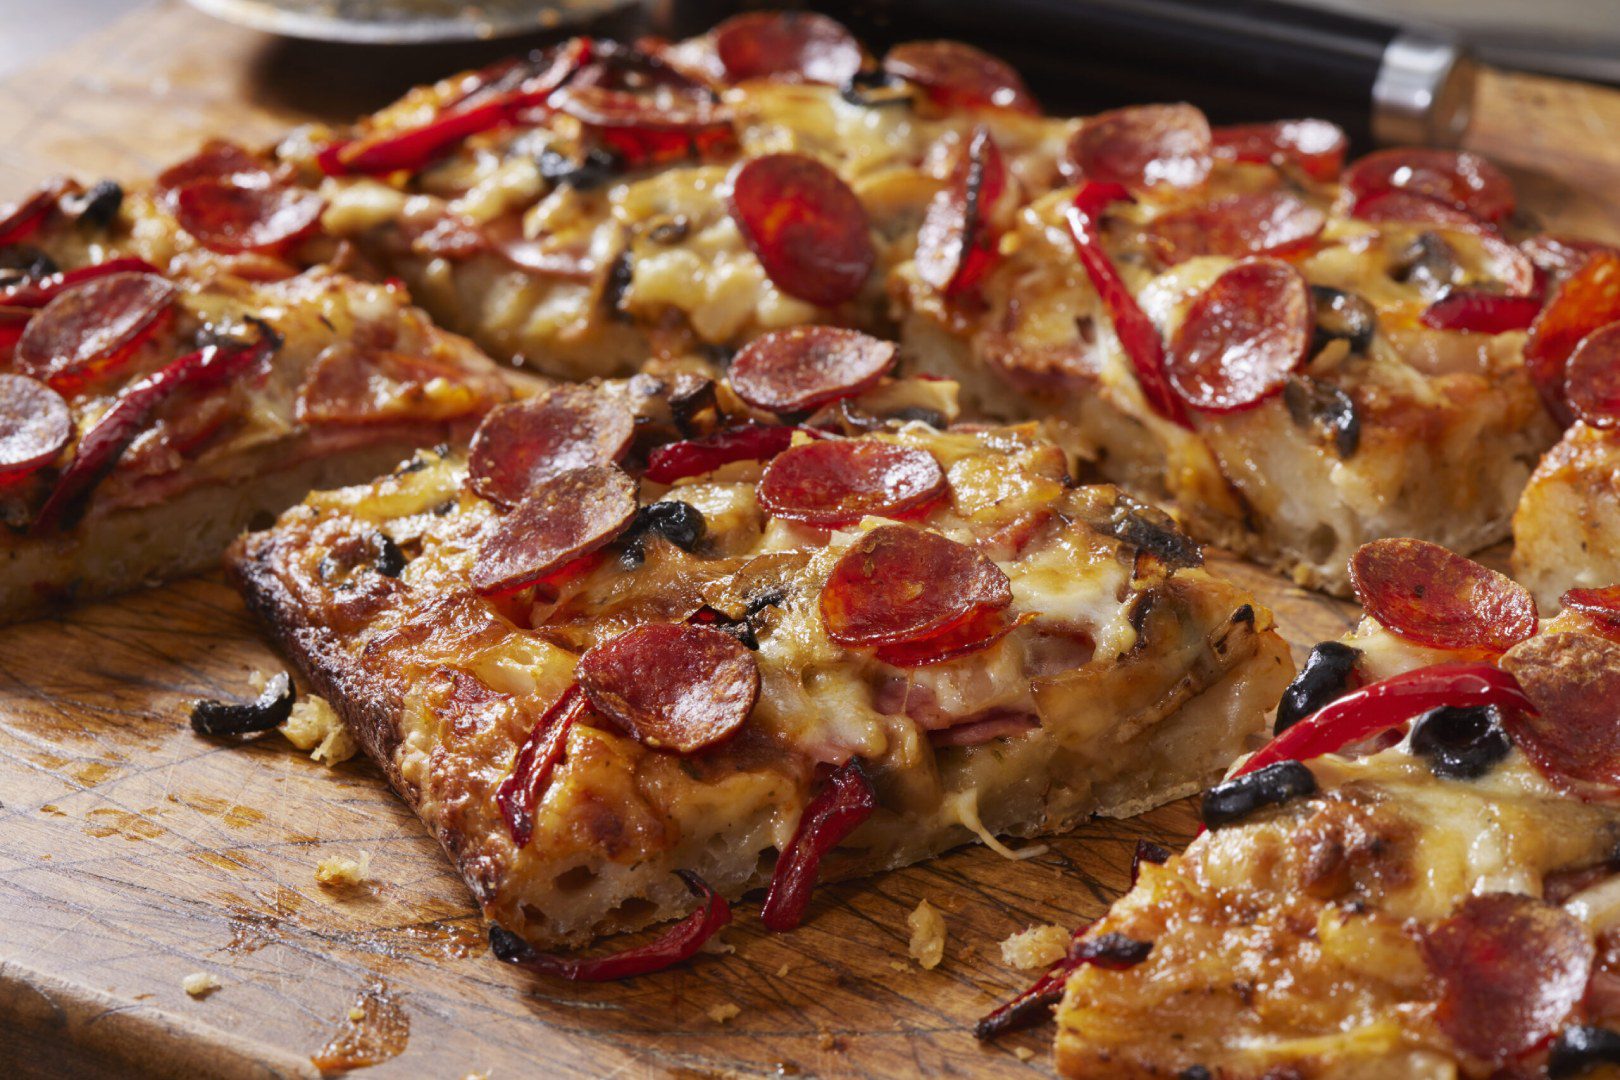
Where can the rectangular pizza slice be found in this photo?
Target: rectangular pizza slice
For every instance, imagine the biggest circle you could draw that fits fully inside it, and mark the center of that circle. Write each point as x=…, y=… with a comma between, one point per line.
x=647, y=638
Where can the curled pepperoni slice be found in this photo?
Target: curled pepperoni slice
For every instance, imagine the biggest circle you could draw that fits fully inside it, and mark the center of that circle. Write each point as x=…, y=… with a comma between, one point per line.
x=92, y=328
x=217, y=160
x=526, y=443
x=557, y=522
x=1588, y=299
x=1600, y=606
x=791, y=46
x=898, y=584
x=672, y=686
x=35, y=423
x=976, y=634
x=792, y=371
x=806, y=226
x=1456, y=178
x=1592, y=381
x=231, y=219
x=1144, y=146
x=624, y=87
x=836, y=482
x=1260, y=223
x=1512, y=971
x=1431, y=595
x=1574, y=681
x=1481, y=312
x=1242, y=337
x=958, y=76
x=1407, y=208
x=955, y=245
x=1316, y=146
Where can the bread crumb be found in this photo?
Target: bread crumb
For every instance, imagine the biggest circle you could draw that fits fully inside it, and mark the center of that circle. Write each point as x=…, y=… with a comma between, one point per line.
x=258, y=680
x=827, y=1040
x=898, y=965
x=1023, y=1053
x=781, y=972
x=1037, y=947
x=721, y=1013
x=718, y=946
x=927, y=935
x=340, y=871
x=356, y=1013
x=200, y=984
x=315, y=726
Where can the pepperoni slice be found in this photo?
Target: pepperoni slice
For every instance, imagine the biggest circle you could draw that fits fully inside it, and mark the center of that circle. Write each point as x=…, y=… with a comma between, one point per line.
x=1512, y=971
x=524, y=444
x=958, y=76
x=1592, y=380
x=1406, y=208
x=1588, y=299
x=898, y=584
x=564, y=518
x=976, y=634
x=806, y=226
x=1456, y=178
x=92, y=328
x=1242, y=337
x=23, y=219
x=1431, y=595
x=1144, y=146
x=1574, y=681
x=217, y=160
x=41, y=291
x=836, y=482
x=790, y=46
x=1558, y=256
x=955, y=245
x=1601, y=606
x=1316, y=146
x=796, y=370
x=672, y=686
x=693, y=457
x=1481, y=312
x=231, y=219
x=1259, y=223
x=35, y=423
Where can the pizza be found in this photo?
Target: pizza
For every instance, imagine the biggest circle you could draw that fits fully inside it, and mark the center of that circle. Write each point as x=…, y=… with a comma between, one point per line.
x=663, y=636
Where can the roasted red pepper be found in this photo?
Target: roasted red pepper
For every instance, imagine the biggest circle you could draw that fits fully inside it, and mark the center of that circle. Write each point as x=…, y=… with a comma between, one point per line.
x=1481, y=312
x=521, y=792
x=680, y=942
x=845, y=802
x=36, y=294
x=1116, y=952
x=744, y=442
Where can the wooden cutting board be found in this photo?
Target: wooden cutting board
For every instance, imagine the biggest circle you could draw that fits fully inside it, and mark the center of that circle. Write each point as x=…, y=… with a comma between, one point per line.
x=133, y=853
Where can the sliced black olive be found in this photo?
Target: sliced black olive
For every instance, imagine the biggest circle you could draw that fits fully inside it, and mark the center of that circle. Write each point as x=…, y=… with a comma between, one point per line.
x=875, y=90
x=96, y=208
x=1231, y=801
x=24, y=262
x=1154, y=531
x=618, y=283
x=1461, y=742
x=771, y=597
x=741, y=629
x=1578, y=1049
x=1325, y=679
x=680, y=523
x=690, y=396
x=1429, y=263
x=1194, y=1072
x=1342, y=316
x=1147, y=852
x=1325, y=408
x=390, y=561
x=669, y=230
x=597, y=167
x=1114, y=951
x=856, y=419
x=236, y=718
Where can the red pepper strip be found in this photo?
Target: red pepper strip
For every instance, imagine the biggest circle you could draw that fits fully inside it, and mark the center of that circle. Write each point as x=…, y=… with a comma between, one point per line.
x=36, y=294
x=102, y=446
x=1388, y=704
x=520, y=792
x=1482, y=312
x=1136, y=333
x=1115, y=952
x=674, y=945
x=845, y=802
x=743, y=442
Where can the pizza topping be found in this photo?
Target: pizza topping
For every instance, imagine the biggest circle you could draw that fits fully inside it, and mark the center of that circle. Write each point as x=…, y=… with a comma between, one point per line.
x=975, y=634
x=1461, y=742
x=1405, y=208
x=231, y=219
x=1587, y=300
x=1136, y=333
x=1147, y=852
x=806, y=367
x=1592, y=378
x=96, y=208
x=1481, y=312
x=1316, y=404
x=521, y=792
x=1242, y=337
x=92, y=328
x=1144, y=146
x=1556, y=257
x=792, y=46
x=1573, y=681
x=38, y=292
x=1231, y=801
x=22, y=219
x=844, y=801
x=1600, y=606
x=1578, y=1049
x=955, y=75
x=682, y=524
x=267, y=712
x=1454, y=178
x=1258, y=223
x=679, y=943
x=35, y=424
x=1316, y=146
x=672, y=686
x=1342, y=316
x=217, y=160
x=642, y=108
x=837, y=482
x=805, y=225
x=955, y=245
x=523, y=444
x=1329, y=673
x=900, y=584
x=1512, y=970
x=559, y=520
x=1431, y=595
x=693, y=457
x=1113, y=952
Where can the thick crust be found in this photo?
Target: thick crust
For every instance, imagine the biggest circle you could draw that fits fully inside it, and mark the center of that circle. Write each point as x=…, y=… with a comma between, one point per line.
x=1566, y=531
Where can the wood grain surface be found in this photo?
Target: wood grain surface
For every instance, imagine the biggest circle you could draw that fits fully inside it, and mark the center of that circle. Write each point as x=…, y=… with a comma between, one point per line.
x=133, y=853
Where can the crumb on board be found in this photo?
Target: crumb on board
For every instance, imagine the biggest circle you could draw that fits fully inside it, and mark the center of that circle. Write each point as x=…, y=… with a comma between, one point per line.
x=1038, y=947
x=1023, y=1053
x=258, y=680
x=718, y=946
x=200, y=984
x=356, y=1013
x=781, y=972
x=721, y=1013
x=927, y=935
x=340, y=871
x=315, y=726
x=898, y=965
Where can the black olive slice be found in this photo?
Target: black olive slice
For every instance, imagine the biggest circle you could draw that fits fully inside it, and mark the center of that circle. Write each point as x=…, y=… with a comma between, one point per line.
x=269, y=710
x=1326, y=677
x=1461, y=743
x=1231, y=801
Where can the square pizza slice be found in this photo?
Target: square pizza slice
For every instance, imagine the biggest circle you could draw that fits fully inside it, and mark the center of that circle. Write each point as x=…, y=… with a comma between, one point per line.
x=649, y=637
